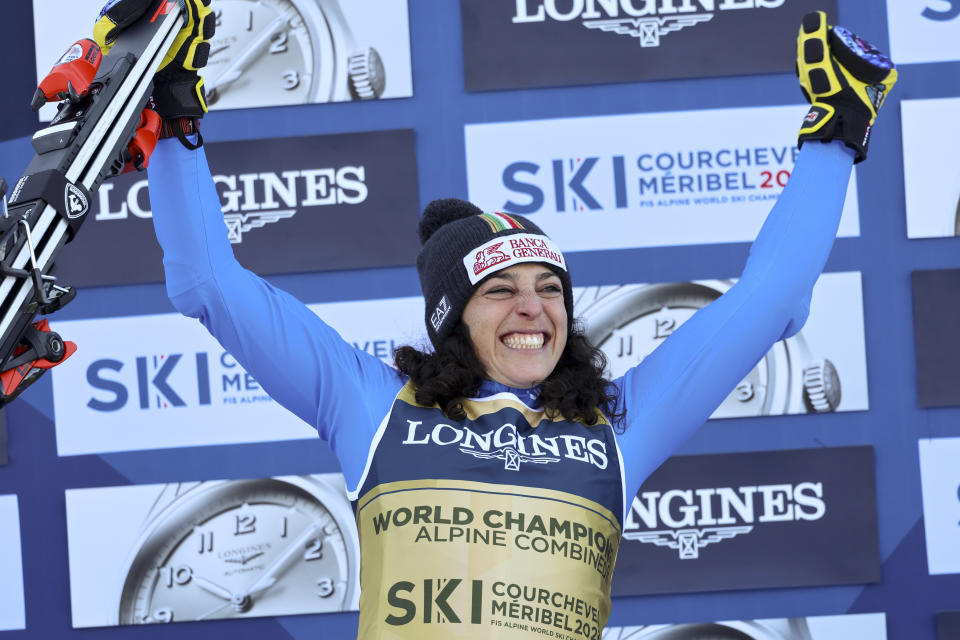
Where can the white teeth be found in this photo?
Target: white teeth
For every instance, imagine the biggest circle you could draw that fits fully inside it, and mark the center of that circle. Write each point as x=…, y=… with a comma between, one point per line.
x=524, y=340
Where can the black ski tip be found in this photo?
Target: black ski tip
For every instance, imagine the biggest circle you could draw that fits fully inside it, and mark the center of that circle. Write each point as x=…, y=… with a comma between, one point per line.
x=38, y=100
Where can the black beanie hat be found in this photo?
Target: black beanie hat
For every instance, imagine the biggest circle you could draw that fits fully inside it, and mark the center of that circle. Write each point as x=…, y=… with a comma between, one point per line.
x=462, y=245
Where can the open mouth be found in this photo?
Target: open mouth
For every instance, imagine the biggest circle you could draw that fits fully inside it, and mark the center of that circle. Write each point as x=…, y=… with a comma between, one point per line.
x=525, y=340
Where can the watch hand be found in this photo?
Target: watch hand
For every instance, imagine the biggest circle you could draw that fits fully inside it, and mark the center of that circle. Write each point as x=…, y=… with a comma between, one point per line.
x=213, y=611
x=240, y=63
x=214, y=588
x=214, y=52
x=269, y=577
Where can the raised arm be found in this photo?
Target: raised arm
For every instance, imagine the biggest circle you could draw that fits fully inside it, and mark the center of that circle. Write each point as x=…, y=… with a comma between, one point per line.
x=300, y=361
x=675, y=389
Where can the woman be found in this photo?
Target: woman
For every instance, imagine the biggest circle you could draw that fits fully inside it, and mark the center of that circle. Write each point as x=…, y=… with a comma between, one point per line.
x=491, y=476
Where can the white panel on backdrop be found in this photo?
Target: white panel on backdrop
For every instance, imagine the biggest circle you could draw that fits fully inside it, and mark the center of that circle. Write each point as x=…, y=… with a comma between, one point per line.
x=147, y=382
x=924, y=30
x=266, y=52
x=122, y=391
x=628, y=322
x=172, y=553
x=862, y=626
x=11, y=566
x=940, y=477
x=644, y=180
x=931, y=137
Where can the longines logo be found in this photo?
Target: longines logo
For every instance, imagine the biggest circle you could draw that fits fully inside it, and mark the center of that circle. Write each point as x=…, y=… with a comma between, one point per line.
x=243, y=555
x=504, y=443
x=253, y=200
x=646, y=20
x=697, y=518
x=240, y=223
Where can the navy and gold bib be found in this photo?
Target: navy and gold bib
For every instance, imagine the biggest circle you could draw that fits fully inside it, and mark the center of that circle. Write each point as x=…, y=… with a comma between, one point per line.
x=504, y=525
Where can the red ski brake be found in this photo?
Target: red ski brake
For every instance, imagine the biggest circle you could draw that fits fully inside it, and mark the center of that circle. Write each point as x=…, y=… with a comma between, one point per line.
x=39, y=349
x=144, y=141
x=71, y=77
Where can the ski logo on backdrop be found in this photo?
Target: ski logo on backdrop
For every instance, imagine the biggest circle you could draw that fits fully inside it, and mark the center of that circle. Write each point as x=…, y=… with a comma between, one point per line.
x=239, y=223
x=692, y=516
x=75, y=202
x=646, y=24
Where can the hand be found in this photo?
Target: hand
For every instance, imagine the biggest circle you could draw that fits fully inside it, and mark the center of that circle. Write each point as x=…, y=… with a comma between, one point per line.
x=213, y=588
x=269, y=577
x=845, y=79
x=239, y=601
x=178, y=88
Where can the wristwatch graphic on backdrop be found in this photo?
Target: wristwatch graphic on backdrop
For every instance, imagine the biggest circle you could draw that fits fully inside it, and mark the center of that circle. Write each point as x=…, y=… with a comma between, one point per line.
x=956, y=220
x=778, y=629
x=628, y=322
x=279, y=52
x=243, y=548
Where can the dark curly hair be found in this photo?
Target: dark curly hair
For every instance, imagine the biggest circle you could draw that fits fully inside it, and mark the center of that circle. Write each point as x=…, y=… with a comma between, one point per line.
x=574, y=390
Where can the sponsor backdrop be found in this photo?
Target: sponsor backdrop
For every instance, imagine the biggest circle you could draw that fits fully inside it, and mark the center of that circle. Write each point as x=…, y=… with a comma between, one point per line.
x=182, y=389
x=640, y=175
x=703, y=523
x=114, y=382
x=864, y=626
x=924, y=31
x=277, y=52
x=212, y=550
x=11, y=566
x=931, y=135
x=941, y=503
x=646, y=180
x=290, y=204
x=542, y=43
x=628, y=322
x=936, y=316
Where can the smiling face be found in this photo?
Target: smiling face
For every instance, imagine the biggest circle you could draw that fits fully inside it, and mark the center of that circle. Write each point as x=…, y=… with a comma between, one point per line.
x=518, y=324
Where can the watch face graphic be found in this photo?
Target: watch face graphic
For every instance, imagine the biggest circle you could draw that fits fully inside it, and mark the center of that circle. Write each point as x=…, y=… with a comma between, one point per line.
x=243, y=548
x=956, y=220
x=772, y=629
x=628, y=322
x=281, y=52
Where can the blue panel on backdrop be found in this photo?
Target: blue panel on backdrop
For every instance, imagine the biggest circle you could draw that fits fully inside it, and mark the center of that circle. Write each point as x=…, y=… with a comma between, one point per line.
x=310, y=203
x=936, y=316
x=948, y=625
x=544, y=43
x=749, y=520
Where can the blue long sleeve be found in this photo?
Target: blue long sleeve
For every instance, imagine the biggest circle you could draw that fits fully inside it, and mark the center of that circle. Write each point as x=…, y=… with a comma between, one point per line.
x=298, y=359
x=673, y=391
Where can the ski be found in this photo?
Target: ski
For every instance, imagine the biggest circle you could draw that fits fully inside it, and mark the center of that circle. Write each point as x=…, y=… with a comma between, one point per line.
x=85, y=143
